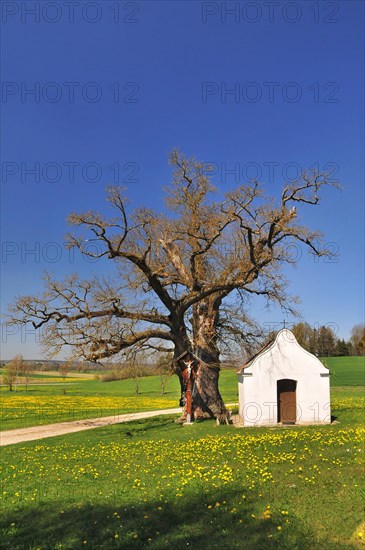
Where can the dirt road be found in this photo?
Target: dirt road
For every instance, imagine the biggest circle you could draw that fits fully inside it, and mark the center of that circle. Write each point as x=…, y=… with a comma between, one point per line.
x=51, y=430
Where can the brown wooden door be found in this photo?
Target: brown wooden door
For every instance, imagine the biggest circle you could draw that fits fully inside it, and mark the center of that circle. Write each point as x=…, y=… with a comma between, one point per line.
x=287, y=401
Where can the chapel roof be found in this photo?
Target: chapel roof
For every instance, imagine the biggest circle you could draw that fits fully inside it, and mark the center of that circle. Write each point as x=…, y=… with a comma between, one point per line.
x=266, y=347
x=253, y=357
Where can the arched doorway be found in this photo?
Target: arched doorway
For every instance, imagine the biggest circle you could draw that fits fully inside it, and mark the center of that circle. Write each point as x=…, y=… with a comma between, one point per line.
x=287, y=401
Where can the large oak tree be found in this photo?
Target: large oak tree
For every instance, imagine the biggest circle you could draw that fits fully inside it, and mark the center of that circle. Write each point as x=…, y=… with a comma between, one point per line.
x=183, y=276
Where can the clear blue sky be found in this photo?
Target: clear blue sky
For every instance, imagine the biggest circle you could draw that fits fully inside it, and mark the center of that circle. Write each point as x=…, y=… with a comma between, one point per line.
x=118, y=90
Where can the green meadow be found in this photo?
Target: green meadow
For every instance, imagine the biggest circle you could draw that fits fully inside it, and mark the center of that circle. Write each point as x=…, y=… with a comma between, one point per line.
x=346, y=371
x=79, y=398
x=156, y=484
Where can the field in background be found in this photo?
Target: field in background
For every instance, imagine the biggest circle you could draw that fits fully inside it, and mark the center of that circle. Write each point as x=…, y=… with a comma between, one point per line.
x=55, y=399
x=346, y=371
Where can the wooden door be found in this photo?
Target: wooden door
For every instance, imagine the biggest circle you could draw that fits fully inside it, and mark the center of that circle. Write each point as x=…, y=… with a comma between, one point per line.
x=287, y=401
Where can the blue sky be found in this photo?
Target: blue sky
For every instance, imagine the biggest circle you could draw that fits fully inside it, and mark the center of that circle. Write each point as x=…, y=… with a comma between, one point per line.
x=263, y=91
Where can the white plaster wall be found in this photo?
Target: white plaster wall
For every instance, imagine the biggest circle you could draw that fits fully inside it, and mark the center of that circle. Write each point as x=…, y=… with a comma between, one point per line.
x=284, y=359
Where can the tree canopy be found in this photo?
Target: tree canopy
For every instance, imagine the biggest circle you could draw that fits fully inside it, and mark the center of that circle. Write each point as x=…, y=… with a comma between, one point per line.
x=176, y=269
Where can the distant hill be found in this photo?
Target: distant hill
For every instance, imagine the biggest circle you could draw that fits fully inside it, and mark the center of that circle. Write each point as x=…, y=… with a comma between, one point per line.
x=53, y=364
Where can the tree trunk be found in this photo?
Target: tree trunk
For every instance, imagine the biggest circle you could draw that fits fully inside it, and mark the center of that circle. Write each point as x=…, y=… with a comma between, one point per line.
x=207, y=402
x=182, y=344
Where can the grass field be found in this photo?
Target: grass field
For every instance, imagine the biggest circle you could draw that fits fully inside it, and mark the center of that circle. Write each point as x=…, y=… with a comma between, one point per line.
x=87, y=399
x=346, y=371
x=45, y=404
x=156, y=484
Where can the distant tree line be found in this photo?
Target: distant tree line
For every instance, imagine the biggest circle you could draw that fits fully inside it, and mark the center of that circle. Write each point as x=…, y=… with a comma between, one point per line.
x=322, y=341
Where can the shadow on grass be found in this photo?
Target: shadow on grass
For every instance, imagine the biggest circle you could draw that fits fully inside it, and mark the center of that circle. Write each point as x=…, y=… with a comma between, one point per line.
x=198, y=521
x=144, y=426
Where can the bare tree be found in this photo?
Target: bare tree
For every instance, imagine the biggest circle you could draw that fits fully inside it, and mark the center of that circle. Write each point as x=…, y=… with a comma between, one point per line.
x=164, y=369
x=304, y=334
x=64, y=369
x=178, y=272
x=358, y=339
x=13, y=370
x=134, y=364
x=25, y=372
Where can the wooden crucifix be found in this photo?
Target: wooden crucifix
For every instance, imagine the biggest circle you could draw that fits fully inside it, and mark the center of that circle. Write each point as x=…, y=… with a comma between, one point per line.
x=188, y=364
x=189, y=373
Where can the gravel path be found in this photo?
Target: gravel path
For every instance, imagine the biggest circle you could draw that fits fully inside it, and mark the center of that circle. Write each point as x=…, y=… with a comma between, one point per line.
x=51, y=430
